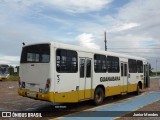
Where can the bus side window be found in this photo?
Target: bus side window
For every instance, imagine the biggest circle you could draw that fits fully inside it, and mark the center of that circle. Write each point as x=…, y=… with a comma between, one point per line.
x=100, y=63
x=125, y=69
x=66, y=61
x=132, y=65
x=113, y=64
x=82, y=68
x=121, y=69
x=139, y=66
x=88, y=72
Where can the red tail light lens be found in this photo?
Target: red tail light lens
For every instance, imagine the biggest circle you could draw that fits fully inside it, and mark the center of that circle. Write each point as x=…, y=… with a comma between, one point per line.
x=47, y=85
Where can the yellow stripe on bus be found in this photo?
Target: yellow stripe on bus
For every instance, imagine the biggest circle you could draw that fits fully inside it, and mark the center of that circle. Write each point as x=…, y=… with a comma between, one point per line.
x=76, y=96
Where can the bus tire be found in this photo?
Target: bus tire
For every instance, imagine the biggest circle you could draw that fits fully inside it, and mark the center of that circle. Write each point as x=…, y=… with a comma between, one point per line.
x=98, y=96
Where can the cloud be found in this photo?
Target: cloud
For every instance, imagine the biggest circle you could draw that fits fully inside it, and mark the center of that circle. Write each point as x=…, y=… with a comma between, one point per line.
x=133, y=28
x=79, y=6
x=123, y=27
x=12, y=36
x=144, y=32
x=87, y=40
x=10, y=60
x=72, y=6
x=135, y=24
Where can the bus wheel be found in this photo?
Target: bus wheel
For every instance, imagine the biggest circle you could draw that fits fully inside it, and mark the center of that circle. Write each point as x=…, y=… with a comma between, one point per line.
x=98, y=96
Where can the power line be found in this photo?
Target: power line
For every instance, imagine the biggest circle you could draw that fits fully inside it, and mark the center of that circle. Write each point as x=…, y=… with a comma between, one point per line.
x=136, y=52
x=133, y=48
x=144, y=54
x=156, y=67
x=152, y=52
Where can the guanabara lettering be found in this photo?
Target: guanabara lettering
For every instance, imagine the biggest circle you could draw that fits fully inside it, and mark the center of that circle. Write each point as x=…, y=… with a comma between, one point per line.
x=114, y=78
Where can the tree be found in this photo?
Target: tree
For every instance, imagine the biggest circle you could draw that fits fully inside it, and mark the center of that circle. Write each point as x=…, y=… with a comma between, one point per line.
x=11, y=70
x=150, y=70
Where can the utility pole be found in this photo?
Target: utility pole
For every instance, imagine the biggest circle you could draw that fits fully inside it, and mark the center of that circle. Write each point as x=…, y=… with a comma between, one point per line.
x=156, y=67
x=157, y=71
x=105, y=40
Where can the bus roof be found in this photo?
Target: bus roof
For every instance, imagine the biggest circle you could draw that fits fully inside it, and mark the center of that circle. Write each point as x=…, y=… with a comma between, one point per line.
x=83, y=49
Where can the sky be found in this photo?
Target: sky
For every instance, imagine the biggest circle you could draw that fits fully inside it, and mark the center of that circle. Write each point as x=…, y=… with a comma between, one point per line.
x=132, y=26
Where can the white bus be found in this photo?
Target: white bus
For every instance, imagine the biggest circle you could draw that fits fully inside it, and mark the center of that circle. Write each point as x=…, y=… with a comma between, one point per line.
x=4, y=72
x=63, y=73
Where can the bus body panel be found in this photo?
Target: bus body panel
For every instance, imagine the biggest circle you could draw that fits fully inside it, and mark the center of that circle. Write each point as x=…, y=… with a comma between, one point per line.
x=34, y=75
x=75, y=87
x=65, y=84
x=65, y=87
x=112, y=87
x=35, y=67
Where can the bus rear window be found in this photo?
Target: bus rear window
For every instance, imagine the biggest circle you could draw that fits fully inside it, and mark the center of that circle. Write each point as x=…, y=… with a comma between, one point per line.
x=36, y=54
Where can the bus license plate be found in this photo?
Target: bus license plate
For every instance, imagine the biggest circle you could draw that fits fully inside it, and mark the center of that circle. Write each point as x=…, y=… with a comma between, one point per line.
x=31, y=95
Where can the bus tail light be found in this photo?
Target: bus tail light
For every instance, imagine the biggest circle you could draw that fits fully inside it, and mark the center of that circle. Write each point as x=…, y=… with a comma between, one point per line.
x=48, y=83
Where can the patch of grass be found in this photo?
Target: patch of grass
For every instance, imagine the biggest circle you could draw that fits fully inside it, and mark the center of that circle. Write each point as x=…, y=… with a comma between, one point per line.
x=13, y=78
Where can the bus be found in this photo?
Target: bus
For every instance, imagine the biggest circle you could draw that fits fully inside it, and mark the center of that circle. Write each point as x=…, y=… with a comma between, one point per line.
x=4, y=72
x=63, y=73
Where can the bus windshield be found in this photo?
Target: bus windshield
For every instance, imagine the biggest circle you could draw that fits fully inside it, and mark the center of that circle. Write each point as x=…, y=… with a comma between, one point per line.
x=4, y=69
x=39, y=53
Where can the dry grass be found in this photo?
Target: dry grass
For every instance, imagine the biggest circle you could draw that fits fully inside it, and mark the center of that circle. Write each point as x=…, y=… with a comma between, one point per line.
x=13, y=78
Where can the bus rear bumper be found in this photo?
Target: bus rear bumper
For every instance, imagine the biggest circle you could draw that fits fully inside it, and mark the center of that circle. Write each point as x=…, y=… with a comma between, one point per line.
x=37, y=95
x=4, y=78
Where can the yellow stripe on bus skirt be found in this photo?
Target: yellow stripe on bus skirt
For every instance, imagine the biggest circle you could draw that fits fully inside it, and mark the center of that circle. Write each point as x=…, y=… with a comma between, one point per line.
x=81, y=95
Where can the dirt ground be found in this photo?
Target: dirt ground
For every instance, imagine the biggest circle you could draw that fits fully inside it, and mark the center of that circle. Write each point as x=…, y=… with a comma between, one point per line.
x=11, y=101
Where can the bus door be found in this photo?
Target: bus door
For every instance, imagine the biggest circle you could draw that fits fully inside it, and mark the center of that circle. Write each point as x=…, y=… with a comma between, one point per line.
x=124, y=76
x=146, y=76
x=145, y=80
x=85, y=78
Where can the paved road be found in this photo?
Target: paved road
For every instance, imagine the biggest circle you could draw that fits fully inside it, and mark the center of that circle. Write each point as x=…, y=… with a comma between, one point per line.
x=114, y=110
x=10, y=100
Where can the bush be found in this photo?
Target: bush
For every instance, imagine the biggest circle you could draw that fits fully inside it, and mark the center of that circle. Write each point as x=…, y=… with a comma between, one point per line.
x=13, y=77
